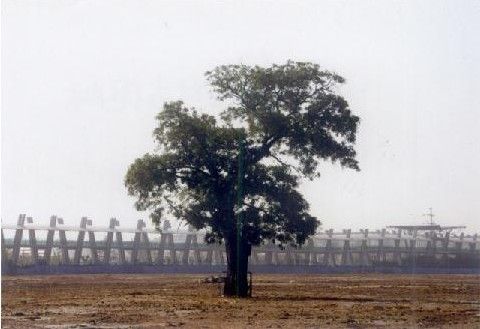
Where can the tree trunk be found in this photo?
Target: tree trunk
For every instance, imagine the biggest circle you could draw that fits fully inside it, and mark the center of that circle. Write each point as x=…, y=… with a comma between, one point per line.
x=236, y=282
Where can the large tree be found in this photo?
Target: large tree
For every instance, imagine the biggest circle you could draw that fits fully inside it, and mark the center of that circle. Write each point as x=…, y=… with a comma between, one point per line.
x=237, y=175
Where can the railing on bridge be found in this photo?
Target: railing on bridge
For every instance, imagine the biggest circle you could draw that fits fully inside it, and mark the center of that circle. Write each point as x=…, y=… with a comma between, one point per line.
x=151, y=247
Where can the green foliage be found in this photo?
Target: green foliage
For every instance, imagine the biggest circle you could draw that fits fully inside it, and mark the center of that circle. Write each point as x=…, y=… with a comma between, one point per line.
x=288, y=117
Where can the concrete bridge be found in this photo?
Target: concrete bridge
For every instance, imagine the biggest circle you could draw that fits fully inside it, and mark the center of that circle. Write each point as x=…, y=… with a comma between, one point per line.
x=86, y=245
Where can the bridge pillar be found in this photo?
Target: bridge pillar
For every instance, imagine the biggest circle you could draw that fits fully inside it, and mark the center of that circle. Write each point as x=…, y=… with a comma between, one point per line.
x=63, y=243
x=313, y=254
x=347, y=251
x=33, y=242
x=297, y=255
x=446, y=241
x=215, y=254
x=166, y=242
x=80, y=239
x=289, y=256
x=161, y=249
x=187, y=248
x=276, y=258
x=412, y=250
x=4, y=250
x=433, y=250
x=121, y=247
x=364, y=252
x=308, y=252
x=93, y=246
x=329, y=255
x=473, y=244
x=17, y=240
x=220, y=256
x=397, y=255
x=49, y=242
x=431, y=245
x=381, y=247
x=196, y=249
x=109, y=240
x=141, y=238
x=209, y=257
x=459, y=246
x=254, y=256
x=269, y=253
x=460, y=243
x=145, y=241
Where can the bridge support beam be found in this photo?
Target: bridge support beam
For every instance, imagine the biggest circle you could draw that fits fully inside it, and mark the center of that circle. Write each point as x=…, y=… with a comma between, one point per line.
x=347, y=251
x=17, y=240
x=397, y=256
x=49, y=243
x=33, y=242
x=364, y=250
x=329, y=254
x=166, y=243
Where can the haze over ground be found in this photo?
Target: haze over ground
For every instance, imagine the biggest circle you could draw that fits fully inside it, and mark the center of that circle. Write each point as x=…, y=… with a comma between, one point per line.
x=83, y=80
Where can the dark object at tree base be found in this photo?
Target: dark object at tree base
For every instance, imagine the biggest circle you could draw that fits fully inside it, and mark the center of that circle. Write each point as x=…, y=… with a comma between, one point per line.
x=214, y=279
x=229, y=291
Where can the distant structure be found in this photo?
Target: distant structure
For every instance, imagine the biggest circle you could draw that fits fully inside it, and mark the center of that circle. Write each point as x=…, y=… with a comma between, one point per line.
x=431, y=226
x=431, y=215
x=88, y=249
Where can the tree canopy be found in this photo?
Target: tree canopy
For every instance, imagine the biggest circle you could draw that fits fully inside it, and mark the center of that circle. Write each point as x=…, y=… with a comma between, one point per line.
x=280, y=121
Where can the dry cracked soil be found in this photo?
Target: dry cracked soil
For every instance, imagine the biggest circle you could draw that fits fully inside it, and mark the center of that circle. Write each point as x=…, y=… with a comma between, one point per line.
x=279, y=301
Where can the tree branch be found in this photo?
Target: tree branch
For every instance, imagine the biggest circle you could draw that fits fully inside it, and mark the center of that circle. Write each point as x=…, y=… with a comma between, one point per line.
x=264, y=150
x=172, y=205
x=283, y=163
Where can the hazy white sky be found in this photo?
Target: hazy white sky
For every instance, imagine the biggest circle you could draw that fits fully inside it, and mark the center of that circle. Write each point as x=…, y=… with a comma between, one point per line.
x=83, y=79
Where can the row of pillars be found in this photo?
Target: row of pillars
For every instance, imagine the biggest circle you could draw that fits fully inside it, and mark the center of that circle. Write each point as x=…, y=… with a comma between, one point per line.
x=141, y=242
x=330, y=252
x=365, y=255
x=293, y=256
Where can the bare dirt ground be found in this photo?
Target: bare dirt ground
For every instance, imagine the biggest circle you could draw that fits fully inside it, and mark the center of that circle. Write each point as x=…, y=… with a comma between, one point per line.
x=279, y=301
